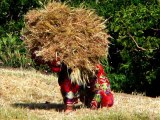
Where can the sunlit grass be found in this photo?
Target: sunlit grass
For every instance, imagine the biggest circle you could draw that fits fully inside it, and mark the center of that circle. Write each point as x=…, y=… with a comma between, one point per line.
x=30, y=95
x=9, y=113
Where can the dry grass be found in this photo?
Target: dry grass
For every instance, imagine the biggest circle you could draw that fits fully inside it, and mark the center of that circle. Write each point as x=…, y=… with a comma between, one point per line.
x=23, y=96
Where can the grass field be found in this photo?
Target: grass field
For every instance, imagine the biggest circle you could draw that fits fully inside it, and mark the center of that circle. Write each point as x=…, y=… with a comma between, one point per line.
x=30, y=95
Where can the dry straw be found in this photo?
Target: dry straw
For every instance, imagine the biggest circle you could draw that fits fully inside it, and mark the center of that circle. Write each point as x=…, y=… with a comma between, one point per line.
x=77, y=35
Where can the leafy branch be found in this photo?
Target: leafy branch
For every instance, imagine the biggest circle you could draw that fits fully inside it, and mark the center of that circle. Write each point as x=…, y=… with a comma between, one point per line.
x=141, y=48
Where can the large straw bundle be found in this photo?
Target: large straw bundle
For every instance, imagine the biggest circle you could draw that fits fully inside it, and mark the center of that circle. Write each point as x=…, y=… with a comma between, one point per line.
x=76, y=35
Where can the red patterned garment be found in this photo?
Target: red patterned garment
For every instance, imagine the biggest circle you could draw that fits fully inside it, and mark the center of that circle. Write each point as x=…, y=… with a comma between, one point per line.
x=103, y=96
x=69, y=90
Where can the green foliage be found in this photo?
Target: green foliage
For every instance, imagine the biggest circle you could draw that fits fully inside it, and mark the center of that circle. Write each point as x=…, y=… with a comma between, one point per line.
x=134, y=51
x=117, y=80
x=12, y=50
x=11, y=14
x=136, y=32
x=13, y=53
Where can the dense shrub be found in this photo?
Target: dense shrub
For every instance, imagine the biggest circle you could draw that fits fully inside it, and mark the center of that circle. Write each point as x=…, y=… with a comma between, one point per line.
x=13, y=53
x=12, y=49
x=11, y=14
x=136, y=32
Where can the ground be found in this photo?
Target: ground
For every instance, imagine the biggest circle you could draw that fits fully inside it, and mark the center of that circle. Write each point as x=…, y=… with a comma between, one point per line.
x=31, y=95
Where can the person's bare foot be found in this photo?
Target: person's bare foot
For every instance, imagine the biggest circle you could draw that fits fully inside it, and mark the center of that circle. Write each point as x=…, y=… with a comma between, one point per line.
x=68, y=109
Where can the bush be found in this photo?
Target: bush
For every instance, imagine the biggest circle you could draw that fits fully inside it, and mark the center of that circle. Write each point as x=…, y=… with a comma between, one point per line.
x=117, y=80
x=136, y=33
x=13, y=52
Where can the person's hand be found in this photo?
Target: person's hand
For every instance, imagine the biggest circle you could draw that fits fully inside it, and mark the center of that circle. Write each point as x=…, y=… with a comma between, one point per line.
x=55, y=65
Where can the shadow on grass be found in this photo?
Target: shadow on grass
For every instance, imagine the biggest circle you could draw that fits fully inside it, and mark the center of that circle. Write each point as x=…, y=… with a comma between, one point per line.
x=57, y=106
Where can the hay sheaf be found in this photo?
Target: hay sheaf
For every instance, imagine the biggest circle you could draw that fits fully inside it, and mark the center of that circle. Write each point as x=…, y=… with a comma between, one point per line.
x=76, y=35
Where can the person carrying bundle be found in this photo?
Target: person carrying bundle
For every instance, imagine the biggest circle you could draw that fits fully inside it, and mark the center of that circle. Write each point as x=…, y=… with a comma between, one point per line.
x=70, y=40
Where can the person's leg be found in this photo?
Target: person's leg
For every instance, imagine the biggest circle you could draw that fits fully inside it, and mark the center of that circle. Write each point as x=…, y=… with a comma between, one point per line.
x=75, y=88
x=87, y=93
x=69, y=102
x=72, y=97
x=86, y=97
x=67, y=95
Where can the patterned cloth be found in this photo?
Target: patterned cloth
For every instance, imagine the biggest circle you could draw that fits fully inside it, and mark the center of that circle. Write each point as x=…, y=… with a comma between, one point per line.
x=69, y=90
x=96, y=94
x=103, y=96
